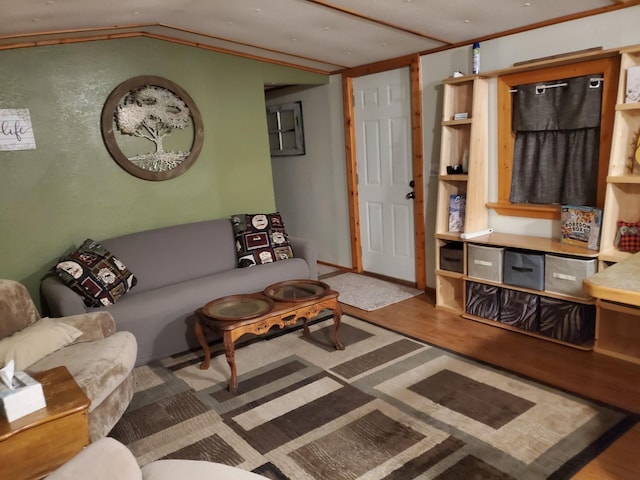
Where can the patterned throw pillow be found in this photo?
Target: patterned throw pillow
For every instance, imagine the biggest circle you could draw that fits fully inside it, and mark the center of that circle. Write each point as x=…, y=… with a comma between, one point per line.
x=260, y=238
x=628, y=236
x=93, y=272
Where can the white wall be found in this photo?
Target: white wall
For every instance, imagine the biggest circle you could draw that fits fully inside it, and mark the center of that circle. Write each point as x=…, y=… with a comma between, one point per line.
x=311, y=190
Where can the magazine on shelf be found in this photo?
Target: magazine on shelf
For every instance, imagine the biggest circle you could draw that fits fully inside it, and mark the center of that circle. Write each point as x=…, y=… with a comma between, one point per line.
x=457, y=205
x=580, y=225
x=632, y=93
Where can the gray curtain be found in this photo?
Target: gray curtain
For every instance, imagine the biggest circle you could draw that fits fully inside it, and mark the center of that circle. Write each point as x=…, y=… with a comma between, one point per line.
x=557, y=141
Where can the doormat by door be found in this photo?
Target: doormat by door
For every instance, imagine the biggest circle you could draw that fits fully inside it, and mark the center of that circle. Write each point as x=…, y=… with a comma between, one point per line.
x=368, y=293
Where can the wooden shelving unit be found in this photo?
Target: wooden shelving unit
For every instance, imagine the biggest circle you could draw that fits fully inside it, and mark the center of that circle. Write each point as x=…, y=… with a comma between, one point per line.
x=622, y=199
x=464, y=138
x=618, y=324
x=537, y=245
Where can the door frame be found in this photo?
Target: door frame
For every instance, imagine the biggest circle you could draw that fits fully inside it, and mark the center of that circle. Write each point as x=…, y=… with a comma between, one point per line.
x=413, y=62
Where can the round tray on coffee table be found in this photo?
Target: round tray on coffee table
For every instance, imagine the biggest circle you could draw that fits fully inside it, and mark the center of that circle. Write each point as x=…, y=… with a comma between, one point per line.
x=297, y=290
x=238, y=307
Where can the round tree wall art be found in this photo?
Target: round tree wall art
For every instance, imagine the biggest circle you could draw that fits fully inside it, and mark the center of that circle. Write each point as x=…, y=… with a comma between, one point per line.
x=152, y=128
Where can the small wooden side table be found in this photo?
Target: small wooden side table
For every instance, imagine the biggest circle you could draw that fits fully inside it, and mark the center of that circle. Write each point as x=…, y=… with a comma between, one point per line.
x=36, y=444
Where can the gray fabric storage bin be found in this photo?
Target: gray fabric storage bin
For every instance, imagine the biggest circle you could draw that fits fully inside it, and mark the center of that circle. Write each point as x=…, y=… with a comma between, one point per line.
x=485, y=262
x=483, y=300
x=567, y=321
x=519, y=309
x=451, y=257
x=564, y=274
x=524, y=269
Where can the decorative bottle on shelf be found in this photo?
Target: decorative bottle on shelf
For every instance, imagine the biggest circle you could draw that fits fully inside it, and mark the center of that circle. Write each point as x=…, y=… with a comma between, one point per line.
x=476, y=58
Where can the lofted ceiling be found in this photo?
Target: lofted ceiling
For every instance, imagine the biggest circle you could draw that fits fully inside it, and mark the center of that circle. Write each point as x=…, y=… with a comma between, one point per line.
x=324, y=36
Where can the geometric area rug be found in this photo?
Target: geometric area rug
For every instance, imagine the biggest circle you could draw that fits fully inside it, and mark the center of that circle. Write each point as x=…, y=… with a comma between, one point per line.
x=387, y=407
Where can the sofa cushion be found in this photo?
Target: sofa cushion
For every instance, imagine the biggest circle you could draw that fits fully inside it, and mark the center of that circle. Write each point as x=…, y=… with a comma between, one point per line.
x=174, y=254
x=260, y=238
x=95, y=273
x=36, y=341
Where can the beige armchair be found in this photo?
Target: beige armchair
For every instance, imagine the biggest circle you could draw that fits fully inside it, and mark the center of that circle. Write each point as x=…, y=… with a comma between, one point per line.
x=100, y=359
x=108, y=459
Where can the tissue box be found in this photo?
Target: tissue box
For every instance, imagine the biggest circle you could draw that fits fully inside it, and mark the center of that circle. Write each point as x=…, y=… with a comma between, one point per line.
x=27, y=397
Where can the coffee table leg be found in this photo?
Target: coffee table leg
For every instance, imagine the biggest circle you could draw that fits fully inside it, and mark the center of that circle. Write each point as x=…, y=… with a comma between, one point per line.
x=305, y=327
x=337, y=316
x=229, y=351
x=203, y=343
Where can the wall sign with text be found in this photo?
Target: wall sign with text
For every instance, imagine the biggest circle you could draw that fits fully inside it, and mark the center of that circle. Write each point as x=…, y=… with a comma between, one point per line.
x=16, y=132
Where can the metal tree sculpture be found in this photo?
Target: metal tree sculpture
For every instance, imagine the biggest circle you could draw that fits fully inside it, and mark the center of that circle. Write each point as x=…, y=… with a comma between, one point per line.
x=153, y=112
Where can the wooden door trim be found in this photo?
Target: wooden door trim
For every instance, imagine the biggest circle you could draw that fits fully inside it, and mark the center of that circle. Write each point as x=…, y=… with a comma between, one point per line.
x=413, y=62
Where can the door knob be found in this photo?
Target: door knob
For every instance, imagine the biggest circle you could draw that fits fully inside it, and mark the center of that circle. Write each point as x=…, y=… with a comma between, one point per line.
x=412, y=183
x=410, y=195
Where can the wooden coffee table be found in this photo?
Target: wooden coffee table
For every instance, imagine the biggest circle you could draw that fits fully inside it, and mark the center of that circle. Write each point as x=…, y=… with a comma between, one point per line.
x=36, y=444
x=281, y=304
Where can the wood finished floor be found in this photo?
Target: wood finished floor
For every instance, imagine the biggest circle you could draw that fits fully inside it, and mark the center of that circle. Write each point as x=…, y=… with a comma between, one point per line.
x=586, y=373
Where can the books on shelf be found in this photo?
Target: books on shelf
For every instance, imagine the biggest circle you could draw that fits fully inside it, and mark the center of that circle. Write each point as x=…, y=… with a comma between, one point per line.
x=457, y=205
x=580, y=225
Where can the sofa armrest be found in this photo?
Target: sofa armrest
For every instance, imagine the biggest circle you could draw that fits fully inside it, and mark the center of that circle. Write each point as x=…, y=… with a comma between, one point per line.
x=60, y=300
x=93, y=325
x=307, y=249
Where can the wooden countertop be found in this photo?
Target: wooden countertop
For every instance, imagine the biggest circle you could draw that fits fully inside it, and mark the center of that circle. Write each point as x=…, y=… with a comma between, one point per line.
x=617, y=283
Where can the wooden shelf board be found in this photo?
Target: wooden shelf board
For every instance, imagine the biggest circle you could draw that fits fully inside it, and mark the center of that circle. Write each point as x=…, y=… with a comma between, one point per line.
x=541, y=244
x=625, y=107
x=614, y=351
x=461, y=177
x=542, y=293
x=623, y=179
x=450, y=308
x=613, y=255
x=457, y=123
x=587, y=346
x=455, y=236
x=449, y=274
x=463, y=79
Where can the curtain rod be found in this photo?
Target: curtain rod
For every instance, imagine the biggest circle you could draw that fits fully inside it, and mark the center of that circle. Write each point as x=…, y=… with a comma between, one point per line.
x=594, y=82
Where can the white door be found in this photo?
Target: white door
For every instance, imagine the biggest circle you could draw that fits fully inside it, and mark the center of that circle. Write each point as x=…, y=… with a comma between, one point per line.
x=384, y=159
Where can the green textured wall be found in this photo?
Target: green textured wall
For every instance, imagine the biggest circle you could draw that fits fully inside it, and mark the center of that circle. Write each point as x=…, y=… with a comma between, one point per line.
x=70, y=188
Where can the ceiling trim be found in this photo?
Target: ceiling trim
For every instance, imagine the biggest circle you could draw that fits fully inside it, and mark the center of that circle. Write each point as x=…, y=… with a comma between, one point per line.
x=377, y=21
x=575, y=16
x=381, y=66
x=213, y=37
x=63, y=37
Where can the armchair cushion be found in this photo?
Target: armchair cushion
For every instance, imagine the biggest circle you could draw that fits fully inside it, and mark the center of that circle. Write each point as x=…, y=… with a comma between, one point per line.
x=93, y=325
x=36, y=341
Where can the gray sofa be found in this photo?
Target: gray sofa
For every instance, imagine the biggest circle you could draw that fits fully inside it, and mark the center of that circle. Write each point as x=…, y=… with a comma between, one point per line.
x=179, y=269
